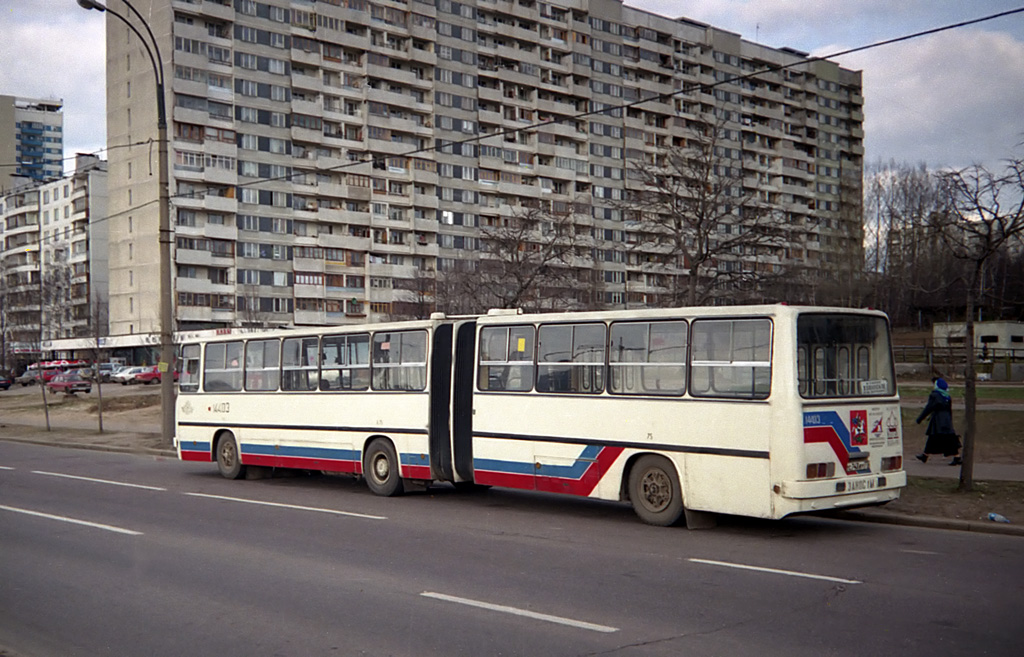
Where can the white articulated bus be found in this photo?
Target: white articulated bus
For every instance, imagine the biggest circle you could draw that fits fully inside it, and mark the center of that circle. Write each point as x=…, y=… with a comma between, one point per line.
x=762, y=411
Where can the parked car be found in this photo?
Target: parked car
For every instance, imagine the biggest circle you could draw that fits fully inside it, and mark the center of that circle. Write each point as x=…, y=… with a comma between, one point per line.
x=27, y=378
x=107, y=370
x=69, y=383
x=126, y=376
x=5, y=381
x=151, y=375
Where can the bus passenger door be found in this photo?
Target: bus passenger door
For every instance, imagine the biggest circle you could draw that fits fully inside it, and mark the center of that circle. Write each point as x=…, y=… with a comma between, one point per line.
x=462, y=401
x=440, y=403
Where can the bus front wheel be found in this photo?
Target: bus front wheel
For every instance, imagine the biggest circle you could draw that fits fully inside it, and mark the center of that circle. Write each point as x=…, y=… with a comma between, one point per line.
x=654, y=491
x=229, y=461
x=381, y=469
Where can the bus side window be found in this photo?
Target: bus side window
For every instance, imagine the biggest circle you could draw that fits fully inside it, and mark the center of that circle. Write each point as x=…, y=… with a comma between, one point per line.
x=344, y=362
x=299, y=364
x=262, y=363
x=400, y=360
x=570, y=358
x=506, y=358
x=731, y=358
x=222, y=368
x=188, y=380
x=648, y=358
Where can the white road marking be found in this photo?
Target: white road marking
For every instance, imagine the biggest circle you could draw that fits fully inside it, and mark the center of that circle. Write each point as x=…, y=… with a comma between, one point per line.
x=86, y=523
x=520, y=612
x=791, y=573
x=928, y=552
x=4, y=467
x=96, y=481
x=289, y=506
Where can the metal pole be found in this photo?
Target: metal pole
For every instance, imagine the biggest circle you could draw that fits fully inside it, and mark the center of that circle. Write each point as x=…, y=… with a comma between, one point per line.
x=166, y=364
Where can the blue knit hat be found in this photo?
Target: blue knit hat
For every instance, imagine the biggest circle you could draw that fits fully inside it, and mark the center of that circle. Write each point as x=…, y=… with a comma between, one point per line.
x=941, y=384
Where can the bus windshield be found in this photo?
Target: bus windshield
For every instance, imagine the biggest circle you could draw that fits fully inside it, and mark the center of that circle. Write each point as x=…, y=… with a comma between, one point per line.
x=844, y=356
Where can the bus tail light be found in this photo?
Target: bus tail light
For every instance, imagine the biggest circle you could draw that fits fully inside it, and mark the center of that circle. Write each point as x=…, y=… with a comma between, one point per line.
x=890, y=463
x=820, y=470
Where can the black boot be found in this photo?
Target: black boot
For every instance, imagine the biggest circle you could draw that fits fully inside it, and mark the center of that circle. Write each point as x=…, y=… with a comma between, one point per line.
x=923, y=458
x=956, y=461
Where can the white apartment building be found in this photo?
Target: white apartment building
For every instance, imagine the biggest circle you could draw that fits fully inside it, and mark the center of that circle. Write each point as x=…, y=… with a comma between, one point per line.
x=31, y=138
x=329, y=157
x=53, y=259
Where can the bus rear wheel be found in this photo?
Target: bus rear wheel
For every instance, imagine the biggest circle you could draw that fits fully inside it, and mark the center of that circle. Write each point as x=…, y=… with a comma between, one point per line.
x=229, y=461
x=654, y=491
x=381, y=469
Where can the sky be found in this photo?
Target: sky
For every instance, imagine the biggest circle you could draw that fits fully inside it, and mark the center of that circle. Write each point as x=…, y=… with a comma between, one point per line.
x=951, y=99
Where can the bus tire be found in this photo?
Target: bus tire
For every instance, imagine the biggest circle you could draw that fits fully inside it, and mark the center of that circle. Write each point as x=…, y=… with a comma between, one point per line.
x=654, y=491
x=381, y=468
x=229, y=461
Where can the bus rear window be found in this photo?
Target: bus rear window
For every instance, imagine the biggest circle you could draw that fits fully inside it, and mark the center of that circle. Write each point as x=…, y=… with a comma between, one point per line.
x=844, y=356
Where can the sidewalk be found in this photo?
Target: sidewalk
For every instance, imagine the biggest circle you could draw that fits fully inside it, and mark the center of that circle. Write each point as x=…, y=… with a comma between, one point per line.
x=143, y=437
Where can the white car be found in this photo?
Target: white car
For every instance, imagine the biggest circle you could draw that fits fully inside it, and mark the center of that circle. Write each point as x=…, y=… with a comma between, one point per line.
x=126, y=375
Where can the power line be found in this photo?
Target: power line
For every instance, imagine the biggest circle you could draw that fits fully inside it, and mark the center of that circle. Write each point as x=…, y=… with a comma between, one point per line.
x=604, y=111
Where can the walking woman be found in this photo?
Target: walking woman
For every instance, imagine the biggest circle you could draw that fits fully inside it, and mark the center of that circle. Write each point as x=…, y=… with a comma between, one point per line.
x=942, y=438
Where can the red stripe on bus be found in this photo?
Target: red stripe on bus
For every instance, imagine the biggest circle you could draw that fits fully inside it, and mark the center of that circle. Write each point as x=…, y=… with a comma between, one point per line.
x=300, y=463
x=417, y=472
x=825, y=434
x=196, y=456
x=504, y=479
x=586, y=484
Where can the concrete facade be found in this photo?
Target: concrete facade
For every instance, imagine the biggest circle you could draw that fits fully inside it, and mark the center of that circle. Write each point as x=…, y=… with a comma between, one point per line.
x=53, y=259
x=329, y=160
x=32, y=136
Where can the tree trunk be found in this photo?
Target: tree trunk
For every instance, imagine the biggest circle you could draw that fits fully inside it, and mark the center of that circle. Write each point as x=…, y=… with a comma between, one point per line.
x=970, y=388
x=46, y=405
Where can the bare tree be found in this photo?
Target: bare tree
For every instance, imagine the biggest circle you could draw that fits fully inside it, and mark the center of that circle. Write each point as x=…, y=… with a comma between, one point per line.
x=700, y=215
x=982, y=214
x=526, y=262
x=903, y=254
x=5, y=301
x=55, y=296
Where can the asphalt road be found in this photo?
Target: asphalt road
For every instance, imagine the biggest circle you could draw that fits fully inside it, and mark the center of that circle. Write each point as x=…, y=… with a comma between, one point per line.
x=117, y=554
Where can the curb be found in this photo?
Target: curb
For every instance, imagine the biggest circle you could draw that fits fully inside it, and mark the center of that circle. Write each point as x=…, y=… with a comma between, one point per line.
x=116, y=449
x=930, y=522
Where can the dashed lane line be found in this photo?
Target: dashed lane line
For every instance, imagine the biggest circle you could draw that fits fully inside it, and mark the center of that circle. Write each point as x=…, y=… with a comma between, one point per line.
x=288, y=506
x=520, y=612
x=73, y=521
x=776, y=571
x=96, y=481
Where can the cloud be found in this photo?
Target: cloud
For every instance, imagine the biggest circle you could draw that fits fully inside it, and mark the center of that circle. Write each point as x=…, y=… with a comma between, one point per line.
x=952, y=99
x=52, y=53
x=949, y=99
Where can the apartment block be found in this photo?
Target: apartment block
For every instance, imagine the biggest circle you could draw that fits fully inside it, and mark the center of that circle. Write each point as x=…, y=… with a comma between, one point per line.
x=31, y=138
x=53, y=258
x=329, y=160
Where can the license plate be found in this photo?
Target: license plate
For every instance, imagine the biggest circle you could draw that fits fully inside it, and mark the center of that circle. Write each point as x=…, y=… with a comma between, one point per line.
x=860, y=484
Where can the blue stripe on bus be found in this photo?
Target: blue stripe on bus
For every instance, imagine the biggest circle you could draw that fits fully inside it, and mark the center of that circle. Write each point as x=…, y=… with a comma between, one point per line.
x=302, y=452
x=830, y=419
x=574, y=471
x=414, y=459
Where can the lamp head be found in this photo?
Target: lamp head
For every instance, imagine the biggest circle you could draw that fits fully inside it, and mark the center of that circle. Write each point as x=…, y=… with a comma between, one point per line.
x=91, y=4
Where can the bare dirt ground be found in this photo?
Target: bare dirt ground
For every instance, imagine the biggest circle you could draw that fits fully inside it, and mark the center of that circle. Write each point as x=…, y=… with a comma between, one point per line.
x=132, y=416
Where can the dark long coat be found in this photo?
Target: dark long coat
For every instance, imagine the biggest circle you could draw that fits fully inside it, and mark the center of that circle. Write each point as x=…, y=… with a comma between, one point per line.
x=942, y=438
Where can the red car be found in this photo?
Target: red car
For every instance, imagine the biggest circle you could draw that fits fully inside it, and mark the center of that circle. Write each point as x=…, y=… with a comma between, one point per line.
x=69, y=383
x=151, y=375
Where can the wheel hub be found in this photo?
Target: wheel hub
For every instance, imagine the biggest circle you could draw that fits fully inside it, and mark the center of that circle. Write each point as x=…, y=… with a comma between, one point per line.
x=656, y=490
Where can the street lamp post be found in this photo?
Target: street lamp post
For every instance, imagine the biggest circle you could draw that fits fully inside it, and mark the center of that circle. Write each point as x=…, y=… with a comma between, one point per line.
x=166, y=292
